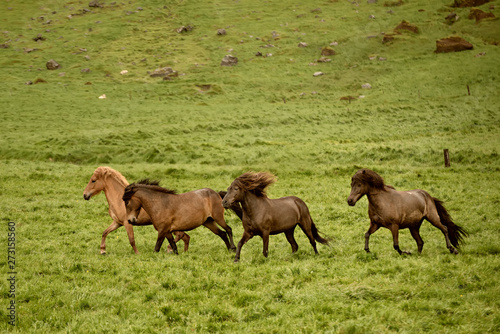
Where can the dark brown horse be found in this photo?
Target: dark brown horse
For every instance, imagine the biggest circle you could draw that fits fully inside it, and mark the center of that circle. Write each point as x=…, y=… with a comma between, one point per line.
x=171, y=212
x=113, y=184
x=264, y=216
x=397, y=210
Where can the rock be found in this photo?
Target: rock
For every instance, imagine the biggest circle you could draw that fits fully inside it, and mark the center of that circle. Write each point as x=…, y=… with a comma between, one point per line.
x=28, y=82
x=229, y=60
x=123, y=72
x=87, y=57
x=164, y=72
x=324, y=60
x=406, y=26
x=103, y=96
x=4, y=46
x=478, y=14
x=452, y=18
x=452, y=44
x=469, y=3
x=316, y=10
x=53, y=65
x=184, y=29
x=221, y=32
x=328, y=51
x=29, y=50
x=85, y=70
x=258, y=54
x=96, y=4
x=366, y=86
x=39, y=37
x=317, y=74
x=393, y=3
x=302, y=45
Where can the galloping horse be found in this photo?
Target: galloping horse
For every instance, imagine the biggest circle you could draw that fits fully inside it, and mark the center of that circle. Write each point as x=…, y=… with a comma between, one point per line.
x=264, y=216
x=113, y=184
x=397, y=210
x=171, y=212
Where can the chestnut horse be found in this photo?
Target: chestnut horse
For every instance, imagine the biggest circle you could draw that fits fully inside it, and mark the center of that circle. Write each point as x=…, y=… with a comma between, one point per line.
x=113, y=184
x=171, y=212
x=264, y=216
x=397, y=210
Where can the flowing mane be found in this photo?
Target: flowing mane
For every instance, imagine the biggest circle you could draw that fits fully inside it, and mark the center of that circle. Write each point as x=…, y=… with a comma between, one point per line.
x=144, y=184
x=103, y=172
x=371, y=178
x=255, y=182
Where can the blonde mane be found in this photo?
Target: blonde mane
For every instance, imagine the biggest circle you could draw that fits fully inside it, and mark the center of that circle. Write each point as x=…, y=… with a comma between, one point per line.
x=103, y=172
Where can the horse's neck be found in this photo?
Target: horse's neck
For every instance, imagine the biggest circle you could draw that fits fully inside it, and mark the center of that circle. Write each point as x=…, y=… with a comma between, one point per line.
x=377, y=197
x=250, y=203
x=114, y=193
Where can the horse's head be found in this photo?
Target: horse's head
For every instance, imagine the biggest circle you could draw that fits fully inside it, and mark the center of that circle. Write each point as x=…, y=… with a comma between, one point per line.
x=362, y=183
x=96, y=183
x=234, y=194
x=132, y=203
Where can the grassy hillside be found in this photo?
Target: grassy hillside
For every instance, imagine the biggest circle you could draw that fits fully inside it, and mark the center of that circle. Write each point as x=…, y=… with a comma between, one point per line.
x=211, y=123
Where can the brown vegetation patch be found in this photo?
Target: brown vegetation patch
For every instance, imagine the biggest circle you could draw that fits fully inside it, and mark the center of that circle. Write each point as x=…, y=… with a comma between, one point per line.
x=452, y=44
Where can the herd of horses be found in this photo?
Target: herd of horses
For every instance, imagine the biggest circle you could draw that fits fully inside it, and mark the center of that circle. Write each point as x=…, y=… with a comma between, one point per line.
x=146, y=203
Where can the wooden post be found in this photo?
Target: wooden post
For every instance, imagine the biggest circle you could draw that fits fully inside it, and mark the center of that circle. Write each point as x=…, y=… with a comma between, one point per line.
x=446, y=157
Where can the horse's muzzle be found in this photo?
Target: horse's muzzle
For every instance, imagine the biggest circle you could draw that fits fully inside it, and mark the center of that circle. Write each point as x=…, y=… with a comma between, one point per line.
x=132, y=221
x=225, y=204
x=86, y=196
x=351, y=202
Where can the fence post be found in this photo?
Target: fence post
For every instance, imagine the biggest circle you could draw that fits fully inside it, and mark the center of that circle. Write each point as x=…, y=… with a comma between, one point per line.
x=446, y=157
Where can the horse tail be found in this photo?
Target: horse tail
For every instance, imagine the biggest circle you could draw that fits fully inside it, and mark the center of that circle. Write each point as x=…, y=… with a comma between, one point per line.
x=235, y=207
x=316, y=235
x=455, y=232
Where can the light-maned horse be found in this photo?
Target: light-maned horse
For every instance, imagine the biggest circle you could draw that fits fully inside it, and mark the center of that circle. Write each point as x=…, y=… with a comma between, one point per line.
x=397, y=210
x=264, y=216
x=171, y=212
x=113, y=184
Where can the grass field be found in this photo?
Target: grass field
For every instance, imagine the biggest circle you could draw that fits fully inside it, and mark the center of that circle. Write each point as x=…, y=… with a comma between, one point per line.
x=212, y=123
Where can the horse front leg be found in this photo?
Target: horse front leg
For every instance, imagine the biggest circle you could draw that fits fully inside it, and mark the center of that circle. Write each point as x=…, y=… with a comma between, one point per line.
x=265, y=243
x=130, y=233
x=114, y=225
x=246, y=236
x=372, y=229
x=170, y=239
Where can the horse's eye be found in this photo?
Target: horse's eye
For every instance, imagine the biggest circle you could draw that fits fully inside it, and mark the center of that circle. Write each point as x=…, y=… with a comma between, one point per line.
x=93, y=181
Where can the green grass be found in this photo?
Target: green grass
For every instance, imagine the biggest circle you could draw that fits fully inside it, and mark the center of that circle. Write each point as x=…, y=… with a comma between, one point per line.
x=211, y=124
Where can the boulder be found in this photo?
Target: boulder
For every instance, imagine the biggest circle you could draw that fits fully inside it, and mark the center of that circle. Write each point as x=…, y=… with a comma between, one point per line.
x=221, y=32
x=452, y=44
x=229, y=60
x=53, y=65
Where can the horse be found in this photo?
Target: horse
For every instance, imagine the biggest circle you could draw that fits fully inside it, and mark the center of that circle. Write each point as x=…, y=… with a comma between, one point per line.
x=264, y=216
x=171, y=212
x=397, y=210
x=113, y=184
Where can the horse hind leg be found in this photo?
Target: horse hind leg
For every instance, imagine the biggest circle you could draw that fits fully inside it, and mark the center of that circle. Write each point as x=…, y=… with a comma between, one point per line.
x=210, y=224
x=307, y=231
x=436, y=221
x=291, y=239
x=219, y=219
x=180, y=236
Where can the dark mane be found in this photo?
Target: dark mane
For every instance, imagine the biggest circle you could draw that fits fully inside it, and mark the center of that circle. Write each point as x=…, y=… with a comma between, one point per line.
x=255, y=182
x=144, y=184
x=149, y=182
x=371, y=178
